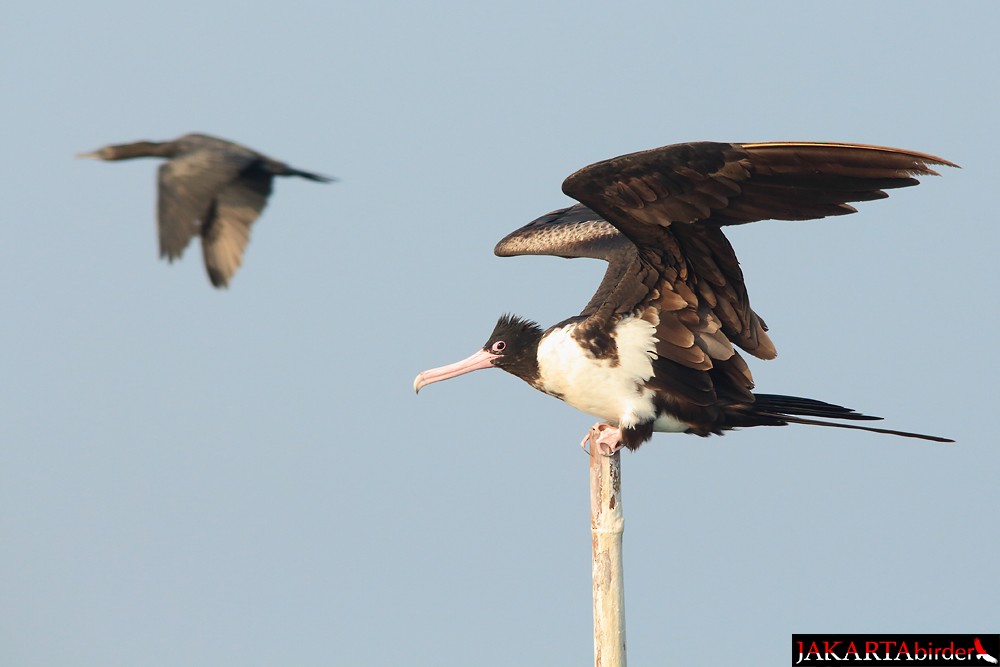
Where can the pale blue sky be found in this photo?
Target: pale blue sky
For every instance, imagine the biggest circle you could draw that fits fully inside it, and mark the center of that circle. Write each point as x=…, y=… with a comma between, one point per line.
x=194, y=477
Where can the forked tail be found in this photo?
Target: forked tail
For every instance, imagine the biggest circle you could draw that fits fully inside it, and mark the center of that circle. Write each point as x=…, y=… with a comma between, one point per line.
x=778, y=410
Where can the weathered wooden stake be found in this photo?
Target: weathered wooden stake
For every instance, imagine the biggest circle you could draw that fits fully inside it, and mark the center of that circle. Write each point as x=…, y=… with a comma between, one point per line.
x=606, y=526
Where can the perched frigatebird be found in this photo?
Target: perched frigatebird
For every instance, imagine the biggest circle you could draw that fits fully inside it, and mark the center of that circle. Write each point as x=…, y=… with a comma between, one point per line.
x=211, y=187
x=654, y=348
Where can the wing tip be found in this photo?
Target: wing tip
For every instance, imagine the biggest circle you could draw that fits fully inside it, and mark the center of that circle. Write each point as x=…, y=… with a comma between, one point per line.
x=921, y=170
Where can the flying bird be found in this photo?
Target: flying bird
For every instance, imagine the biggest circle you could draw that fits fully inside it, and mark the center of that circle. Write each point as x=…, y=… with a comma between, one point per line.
x=655, y=348
x=210, y=187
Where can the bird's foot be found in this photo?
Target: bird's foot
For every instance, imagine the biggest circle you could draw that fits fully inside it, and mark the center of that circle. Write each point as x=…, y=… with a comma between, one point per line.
x=608, y=441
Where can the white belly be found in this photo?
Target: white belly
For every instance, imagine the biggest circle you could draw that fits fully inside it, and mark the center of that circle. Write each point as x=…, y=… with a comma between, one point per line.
x=611, y=390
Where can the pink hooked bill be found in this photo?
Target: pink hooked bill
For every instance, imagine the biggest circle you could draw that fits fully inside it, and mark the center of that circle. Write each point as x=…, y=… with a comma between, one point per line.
x=481, y=359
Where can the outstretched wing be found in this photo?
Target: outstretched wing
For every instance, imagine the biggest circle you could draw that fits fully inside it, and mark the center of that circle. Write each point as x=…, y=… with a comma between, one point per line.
x=672, y=202
x=188, y=185
x=226, y=231
x=579, y=232
x=729, y=184
x=567, y=232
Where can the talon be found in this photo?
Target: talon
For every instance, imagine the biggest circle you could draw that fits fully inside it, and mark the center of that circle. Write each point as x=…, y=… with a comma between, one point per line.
x=584, y=444
x=608, y=440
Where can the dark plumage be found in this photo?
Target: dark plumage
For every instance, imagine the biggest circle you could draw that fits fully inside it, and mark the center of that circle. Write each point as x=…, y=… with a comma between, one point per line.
x=211, y=187
x=654, y=349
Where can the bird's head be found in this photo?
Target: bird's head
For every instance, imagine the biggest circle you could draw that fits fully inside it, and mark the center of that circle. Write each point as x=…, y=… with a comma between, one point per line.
x=512, y=346
x=129, y=151
x=106, y=153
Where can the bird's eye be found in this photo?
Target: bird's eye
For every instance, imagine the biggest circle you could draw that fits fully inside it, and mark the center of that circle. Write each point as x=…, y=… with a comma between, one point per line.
x=499, y=346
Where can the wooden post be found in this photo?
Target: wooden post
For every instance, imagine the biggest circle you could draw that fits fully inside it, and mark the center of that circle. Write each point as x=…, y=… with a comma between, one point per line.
x=606, y=527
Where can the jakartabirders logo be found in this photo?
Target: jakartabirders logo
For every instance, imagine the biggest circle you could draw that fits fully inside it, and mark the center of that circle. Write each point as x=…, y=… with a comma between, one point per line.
x=875, y=648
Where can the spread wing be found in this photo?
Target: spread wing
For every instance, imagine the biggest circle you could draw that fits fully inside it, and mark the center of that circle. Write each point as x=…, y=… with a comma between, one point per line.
x=579, y=232
x=672, y=202
x=226, y=231
x=188, y=185
x=568, y=232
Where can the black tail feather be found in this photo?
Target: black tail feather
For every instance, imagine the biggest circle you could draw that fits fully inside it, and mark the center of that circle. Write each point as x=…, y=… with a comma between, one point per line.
x=807, y=407
x=319, y=178
x=905, y=434
x=282, y=169
x=776, y=409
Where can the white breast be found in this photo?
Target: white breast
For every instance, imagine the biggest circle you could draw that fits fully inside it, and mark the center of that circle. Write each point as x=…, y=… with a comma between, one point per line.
x=610, y=389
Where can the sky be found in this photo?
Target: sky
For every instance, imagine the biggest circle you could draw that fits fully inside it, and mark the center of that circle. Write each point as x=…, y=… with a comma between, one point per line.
x=197, y=477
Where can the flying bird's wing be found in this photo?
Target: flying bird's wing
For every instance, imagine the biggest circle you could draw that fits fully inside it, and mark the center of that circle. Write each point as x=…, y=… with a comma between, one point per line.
x=188, y=184
x=671, y=202
x=226, y=231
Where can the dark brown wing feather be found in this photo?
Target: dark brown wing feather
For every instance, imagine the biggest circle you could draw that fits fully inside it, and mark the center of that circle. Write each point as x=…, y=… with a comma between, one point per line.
x=188, y=185
x=226, y=232
x=671, y=202
x=738, y=183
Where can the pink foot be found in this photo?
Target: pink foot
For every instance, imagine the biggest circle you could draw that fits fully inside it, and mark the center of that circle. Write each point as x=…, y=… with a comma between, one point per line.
x=608, y=441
